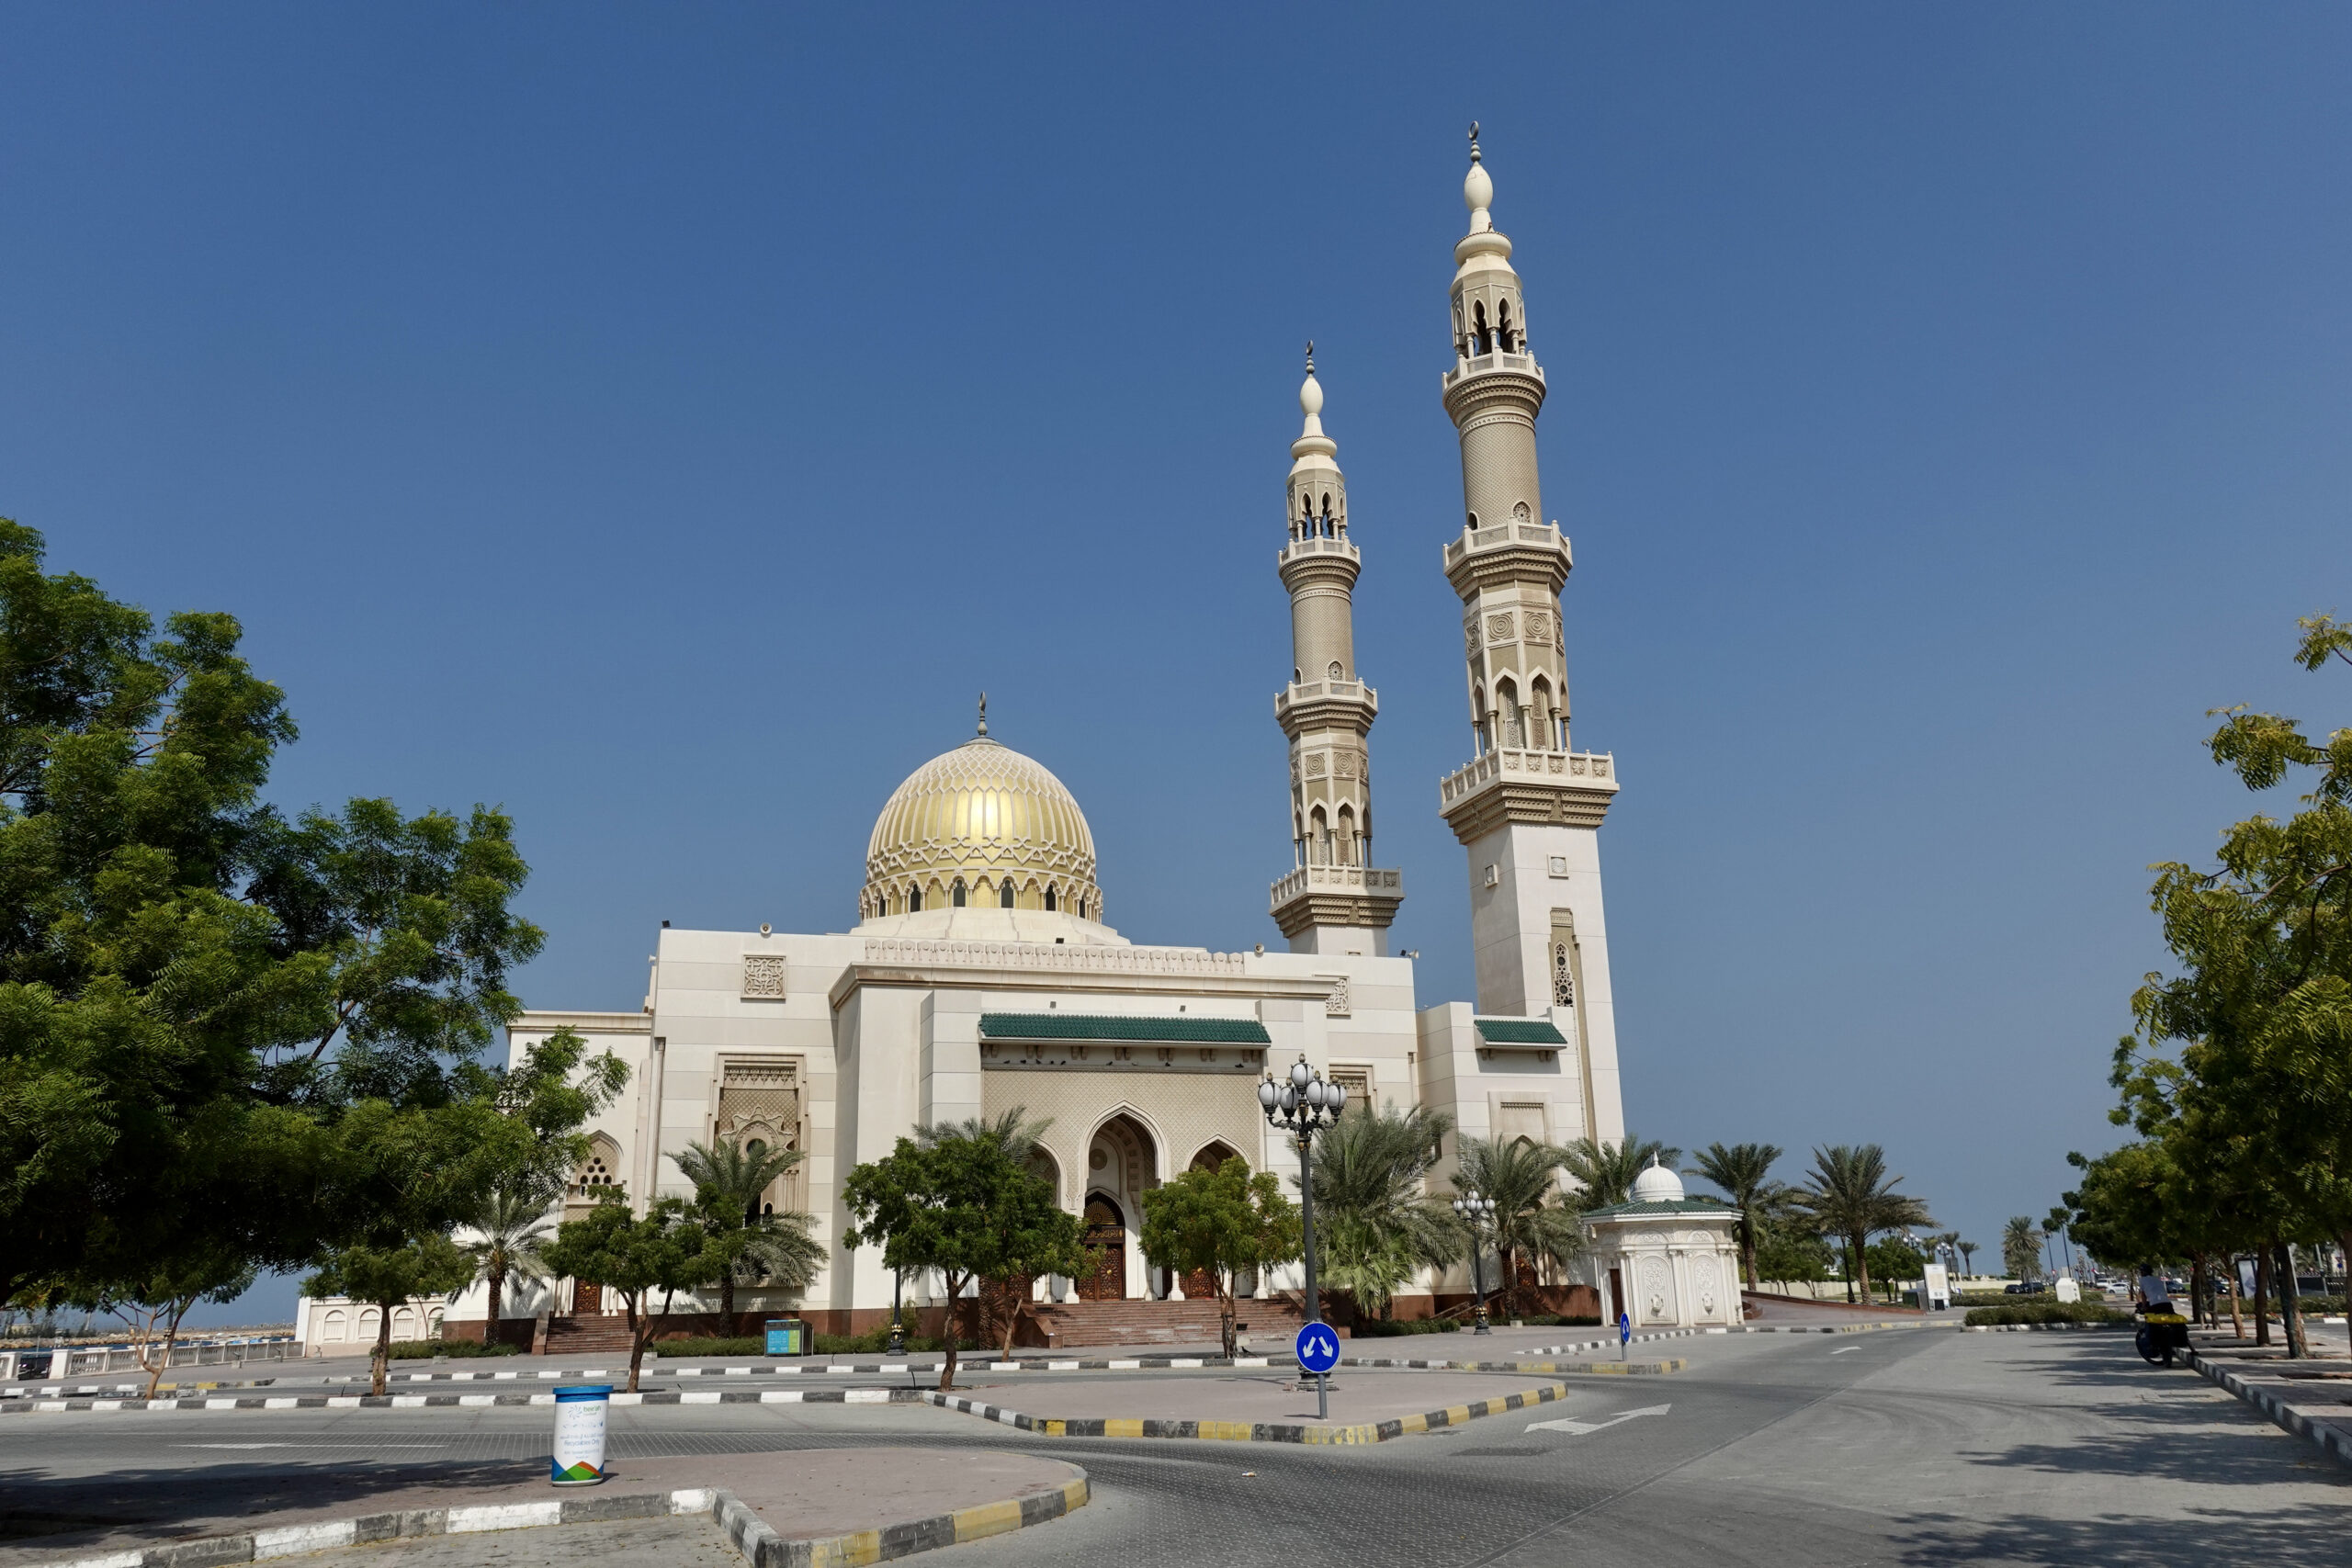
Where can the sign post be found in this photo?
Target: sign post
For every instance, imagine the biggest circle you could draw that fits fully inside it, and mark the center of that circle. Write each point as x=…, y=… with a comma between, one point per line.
x=1318, y=1352
x=1625, y=1334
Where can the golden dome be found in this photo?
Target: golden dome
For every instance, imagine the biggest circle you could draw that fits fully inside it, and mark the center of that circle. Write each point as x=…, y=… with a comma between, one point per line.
x=981, y=816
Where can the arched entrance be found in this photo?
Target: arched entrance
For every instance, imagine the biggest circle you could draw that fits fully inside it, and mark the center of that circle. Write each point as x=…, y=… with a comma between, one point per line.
x=1122, y=1165
x=1107, y=1245
x=1198, y=1286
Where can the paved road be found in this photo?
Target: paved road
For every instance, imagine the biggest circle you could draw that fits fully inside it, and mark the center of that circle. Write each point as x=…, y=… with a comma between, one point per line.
x=1912, y=1447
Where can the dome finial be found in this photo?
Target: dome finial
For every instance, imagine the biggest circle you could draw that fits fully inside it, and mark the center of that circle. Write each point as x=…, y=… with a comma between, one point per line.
x=1477, y=188
x=984, y=712
x=1310, y=357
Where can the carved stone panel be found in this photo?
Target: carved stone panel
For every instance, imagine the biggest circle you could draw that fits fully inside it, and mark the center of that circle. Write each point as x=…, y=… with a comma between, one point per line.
x=764, y=977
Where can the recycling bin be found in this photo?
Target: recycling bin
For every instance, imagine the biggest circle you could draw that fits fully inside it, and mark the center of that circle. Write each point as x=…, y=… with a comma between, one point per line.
x=787, y=1336
x=579, y=1412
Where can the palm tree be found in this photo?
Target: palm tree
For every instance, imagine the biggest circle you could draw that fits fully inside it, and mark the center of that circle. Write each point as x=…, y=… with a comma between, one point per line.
x=1605, y=1172
x=1850, y=1196
x=1375, y=1223
x=1744, y=1172
x=1967, y=1250
x=729, y=1180
x=1013, y=1129
x=511, y=1223
x=1532, y=1217
x=2022, y=1248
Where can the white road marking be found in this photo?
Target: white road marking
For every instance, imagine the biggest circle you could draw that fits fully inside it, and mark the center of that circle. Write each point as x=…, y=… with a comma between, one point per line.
x=1847, y=1348
x=1578, y=1428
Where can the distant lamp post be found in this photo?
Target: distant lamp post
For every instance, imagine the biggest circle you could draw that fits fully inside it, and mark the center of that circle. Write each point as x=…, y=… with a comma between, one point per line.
x=1302, y=1105
x=1478, y=1213
x=898, y=1328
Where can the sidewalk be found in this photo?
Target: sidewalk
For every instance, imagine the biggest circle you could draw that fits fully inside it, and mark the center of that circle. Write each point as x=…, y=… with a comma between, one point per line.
x=798, y=1494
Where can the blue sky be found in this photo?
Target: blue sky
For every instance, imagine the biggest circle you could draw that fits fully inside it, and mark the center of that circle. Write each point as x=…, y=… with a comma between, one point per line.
x=663, y=419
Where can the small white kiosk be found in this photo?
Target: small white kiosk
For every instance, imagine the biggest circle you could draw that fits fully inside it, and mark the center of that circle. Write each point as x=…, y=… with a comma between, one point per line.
x=1663, y=1260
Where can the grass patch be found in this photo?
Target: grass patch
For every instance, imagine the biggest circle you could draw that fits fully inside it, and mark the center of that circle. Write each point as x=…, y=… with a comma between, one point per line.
x=456, y=1350
x=2027, y=1311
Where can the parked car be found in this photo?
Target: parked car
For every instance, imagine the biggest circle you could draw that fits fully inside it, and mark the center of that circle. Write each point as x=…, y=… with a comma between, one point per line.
x=2023, y=1288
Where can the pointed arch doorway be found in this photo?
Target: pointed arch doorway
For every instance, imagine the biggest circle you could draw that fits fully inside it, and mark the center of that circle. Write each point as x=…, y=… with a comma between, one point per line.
x=1106, y=1247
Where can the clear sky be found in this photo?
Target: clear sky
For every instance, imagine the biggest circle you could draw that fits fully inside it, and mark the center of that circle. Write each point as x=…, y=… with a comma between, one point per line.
x=662, y=421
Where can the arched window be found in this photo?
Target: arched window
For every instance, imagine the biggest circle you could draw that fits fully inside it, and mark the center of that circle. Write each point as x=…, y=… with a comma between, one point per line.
x=1344, y=845
x=914, y=900
x=1049, y=899
x=1539, y=713
x=1482, y=340
x=1513, y=717
x=1502, y=332
x=1330, y=524
x=1004, y=894
x=955, y=894
x=1479, y=719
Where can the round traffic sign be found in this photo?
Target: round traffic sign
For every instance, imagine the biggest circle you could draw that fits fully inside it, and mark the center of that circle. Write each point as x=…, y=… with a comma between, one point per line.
x=1318, y=1347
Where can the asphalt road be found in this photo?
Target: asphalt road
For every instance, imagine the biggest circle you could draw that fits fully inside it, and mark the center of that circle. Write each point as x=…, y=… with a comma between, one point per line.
x=1904, y=1447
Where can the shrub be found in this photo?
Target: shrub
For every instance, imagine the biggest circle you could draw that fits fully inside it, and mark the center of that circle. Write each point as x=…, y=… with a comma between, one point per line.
x=2027, y=1311
x=706, y=1345
x=425, y=1349
x=1382, y=1328
x=871, y=1343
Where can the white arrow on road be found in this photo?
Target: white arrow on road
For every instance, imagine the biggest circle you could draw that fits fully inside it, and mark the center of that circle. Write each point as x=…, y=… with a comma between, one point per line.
x=1578, y=1428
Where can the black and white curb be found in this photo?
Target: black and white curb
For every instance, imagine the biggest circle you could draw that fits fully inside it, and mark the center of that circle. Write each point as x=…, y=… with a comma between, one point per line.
x=1249, y=1431
x=444, y=1401
x=2332, y=1440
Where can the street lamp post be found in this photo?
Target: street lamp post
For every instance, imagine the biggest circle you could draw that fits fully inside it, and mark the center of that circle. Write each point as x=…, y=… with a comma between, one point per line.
x=1478, y=1213
x=1302, y=1105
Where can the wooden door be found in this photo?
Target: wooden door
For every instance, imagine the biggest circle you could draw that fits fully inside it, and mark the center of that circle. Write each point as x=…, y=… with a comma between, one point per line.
x=1107, y=1245
x=587, y=1299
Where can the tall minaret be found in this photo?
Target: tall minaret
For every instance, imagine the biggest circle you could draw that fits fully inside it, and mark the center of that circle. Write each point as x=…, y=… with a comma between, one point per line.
x=1527, y=808
x=1333, y=902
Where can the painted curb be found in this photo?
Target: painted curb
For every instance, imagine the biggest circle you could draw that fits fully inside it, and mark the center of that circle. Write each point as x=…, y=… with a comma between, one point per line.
x=2040, y=1328
x=2329, y=1440
x=444, y=1401
x=1249, y=1431
x=744, y=1529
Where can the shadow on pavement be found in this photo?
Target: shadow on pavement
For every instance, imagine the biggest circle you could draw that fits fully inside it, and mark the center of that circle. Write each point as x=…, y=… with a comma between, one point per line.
x=45, y=1515
x=2310, y=1534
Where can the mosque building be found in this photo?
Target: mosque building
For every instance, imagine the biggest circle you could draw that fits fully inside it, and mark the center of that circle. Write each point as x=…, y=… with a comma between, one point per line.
x=983, y=972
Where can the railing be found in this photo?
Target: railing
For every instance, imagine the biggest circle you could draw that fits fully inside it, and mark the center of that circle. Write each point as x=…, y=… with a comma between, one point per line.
x=1341, y=878
x=1502, y=534
x=1304, y=691
x=1598, y=770
x=87, y=1360
x=1480, y=364
x=1319, y=546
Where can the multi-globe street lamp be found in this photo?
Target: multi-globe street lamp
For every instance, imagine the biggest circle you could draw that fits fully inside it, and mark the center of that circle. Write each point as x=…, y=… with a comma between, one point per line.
x=1478, y=1213
x=1303, y=1104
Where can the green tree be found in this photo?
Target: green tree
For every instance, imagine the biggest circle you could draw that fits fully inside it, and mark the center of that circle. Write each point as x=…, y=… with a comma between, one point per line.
x=1533, y=1219
x=1220, y=1223
x=1850, y=1196
x=511, y=1225
x=1893, y=1259
x=667, y=1250
x=730, y=1181
x=389, y=1278
x=194, y=992
x=2257, y=1100
x=2022, y=1248
x=152, y=1309
x=1376, y=1223
x=1604, y=1172
x=1789, y=1252
x=965, y=1206
x=1743, y=1174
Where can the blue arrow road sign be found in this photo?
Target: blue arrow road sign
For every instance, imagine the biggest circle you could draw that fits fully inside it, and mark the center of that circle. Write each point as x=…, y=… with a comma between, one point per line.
x=1624, y=1328
x=1318, y=1347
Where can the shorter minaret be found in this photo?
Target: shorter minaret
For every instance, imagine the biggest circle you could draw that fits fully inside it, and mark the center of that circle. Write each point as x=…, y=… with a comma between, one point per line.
x=1333, y=900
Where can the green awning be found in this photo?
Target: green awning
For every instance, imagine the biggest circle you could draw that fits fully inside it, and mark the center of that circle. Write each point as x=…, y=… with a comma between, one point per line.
x=1519, y=1031
x=1186, y=1031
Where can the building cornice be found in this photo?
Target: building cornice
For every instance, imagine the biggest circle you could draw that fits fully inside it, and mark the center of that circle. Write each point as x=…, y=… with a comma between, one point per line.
x=1125, y=971
x=1563, y=788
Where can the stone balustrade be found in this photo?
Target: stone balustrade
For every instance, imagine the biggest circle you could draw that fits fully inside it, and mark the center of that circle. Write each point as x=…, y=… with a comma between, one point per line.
x=1339, y=879
x=1597, y=769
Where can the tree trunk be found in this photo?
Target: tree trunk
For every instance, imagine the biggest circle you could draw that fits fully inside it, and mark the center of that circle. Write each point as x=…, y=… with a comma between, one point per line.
x=379, y=1361
x=1013, y=1300
x=497, y=1304
x=1747, y=1252
x=640, y=1330
x=2261, y=1296
x=1862, y=1267
x=726, y=1304
x=2290, y=1313
x=2237, y=1315
x=2196, y=1287
x=1226, y=1311
x=949, y=1330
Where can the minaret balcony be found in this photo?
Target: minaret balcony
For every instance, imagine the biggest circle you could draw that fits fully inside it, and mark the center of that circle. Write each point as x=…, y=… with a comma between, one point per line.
x=1353, y=882
x=1305, y=699
x=1514, y=785
x=1318, y=545
x=1488, y=364
x=1507, y=552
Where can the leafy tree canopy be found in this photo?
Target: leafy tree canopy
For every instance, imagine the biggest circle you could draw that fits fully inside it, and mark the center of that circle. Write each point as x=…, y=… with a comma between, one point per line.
x=1220, y=1223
